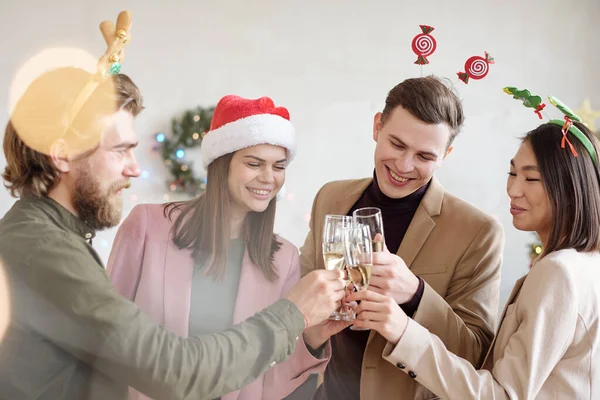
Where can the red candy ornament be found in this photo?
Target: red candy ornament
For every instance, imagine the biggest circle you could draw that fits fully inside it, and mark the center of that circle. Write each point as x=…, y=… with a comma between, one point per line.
x=476, y=67
x=423, y=45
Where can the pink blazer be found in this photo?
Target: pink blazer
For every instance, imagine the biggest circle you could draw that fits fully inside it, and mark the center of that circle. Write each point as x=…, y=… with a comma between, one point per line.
x=147, y=268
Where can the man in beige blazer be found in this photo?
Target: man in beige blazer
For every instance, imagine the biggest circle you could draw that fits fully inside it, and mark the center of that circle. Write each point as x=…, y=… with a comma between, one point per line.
x=444, y=265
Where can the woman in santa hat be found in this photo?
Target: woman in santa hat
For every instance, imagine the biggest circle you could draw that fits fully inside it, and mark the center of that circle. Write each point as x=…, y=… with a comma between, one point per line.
x=203, y=265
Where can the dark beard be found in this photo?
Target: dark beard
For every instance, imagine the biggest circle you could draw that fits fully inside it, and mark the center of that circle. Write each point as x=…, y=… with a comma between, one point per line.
x=93, y=207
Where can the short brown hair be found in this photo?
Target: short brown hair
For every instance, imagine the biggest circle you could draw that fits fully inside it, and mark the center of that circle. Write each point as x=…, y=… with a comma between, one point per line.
x=203, y=225
x=429, y=100
x=40, y=118
x=572, y=185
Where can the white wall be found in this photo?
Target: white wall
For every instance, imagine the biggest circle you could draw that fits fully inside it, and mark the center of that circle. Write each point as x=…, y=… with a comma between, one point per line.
x=331, y=63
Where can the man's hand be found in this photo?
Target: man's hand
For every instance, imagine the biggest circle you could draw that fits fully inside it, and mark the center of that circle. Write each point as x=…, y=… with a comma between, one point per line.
x=391, y=277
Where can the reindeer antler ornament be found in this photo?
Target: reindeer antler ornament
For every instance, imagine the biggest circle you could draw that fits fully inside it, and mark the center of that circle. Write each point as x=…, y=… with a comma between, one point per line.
x=110, y=63
x=116, y=40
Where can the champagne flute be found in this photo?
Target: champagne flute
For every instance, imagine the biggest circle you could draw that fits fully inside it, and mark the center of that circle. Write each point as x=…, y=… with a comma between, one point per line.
x=371, y=216
x=358, y=253
x=333, y=251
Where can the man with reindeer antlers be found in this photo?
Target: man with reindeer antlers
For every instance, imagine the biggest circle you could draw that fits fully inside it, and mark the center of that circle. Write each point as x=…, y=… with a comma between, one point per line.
x=69, y=151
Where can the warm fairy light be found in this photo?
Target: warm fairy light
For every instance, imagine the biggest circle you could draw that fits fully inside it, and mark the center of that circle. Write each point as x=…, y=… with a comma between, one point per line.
x=44, y=61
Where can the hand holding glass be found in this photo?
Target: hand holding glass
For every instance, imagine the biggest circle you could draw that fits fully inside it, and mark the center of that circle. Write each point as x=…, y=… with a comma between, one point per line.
x=333, y=251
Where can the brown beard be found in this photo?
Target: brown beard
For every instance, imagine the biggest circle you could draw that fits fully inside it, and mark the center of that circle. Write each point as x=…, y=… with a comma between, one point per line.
x=98, y=210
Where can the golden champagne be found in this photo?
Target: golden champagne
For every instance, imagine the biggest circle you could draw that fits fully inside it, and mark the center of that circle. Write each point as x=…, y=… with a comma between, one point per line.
x=334, y=260
x=360, y=275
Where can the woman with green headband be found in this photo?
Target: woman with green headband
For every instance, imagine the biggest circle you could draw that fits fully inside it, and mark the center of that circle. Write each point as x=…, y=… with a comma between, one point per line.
x=548, y=342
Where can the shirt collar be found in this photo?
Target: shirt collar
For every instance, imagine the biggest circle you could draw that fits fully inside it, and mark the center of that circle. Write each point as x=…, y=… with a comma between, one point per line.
x=62, y=216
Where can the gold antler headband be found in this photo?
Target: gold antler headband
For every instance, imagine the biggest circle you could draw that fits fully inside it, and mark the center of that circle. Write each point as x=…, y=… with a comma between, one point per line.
x=110, y=63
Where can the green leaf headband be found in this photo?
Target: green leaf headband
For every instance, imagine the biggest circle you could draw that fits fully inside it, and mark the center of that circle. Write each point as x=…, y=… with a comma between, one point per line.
x=535, y=102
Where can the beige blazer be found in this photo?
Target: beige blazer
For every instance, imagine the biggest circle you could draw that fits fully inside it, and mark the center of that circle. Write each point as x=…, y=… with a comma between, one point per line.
x=547, y=346
x=457, y=250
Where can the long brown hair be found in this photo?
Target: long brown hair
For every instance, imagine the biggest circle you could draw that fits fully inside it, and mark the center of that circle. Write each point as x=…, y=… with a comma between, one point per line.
x=573, y=187
x=204, y=225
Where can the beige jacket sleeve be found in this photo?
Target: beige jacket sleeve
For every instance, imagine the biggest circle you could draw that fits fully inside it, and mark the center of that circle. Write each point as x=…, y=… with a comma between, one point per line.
x=465, y=317
x=546, y=313
x=308, y=253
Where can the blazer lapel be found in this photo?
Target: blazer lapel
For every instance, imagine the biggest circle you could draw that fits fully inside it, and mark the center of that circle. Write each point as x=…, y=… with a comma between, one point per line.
x=488, y=361
x=422, y=223
x=418, y=231
x=255, y=292
x=178, y=271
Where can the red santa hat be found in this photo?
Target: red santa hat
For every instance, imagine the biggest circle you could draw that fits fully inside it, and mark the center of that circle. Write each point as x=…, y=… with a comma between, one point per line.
x=238, y=123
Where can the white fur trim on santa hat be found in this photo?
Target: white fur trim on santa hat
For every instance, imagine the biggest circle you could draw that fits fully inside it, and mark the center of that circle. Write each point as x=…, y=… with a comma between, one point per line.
x=247, y=132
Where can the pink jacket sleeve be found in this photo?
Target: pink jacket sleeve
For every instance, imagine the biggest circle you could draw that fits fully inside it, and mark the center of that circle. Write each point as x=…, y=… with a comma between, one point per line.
x=127, y=254
x=284, y=378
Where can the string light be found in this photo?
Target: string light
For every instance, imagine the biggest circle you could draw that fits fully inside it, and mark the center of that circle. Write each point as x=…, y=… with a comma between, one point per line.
x=187, y=132
x=145, y=174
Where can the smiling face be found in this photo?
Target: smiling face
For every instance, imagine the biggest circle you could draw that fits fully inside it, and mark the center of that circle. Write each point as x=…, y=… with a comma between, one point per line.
x=529, y=202
x=408, y=151
x=255, y=176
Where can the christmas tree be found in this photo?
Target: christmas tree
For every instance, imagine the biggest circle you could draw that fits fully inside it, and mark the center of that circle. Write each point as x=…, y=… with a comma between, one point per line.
x=187, y=132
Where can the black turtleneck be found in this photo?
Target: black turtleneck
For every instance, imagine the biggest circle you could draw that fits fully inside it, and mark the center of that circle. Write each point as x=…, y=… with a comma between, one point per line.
x=342, y=376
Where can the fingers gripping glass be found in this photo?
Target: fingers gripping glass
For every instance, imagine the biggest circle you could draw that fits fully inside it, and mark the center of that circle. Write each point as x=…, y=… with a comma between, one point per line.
x=333, y=252
x=358, y=253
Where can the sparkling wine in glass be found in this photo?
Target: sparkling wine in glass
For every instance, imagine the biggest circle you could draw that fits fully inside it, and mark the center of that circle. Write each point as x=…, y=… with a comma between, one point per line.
x=371, y=216
x=358, y=253
x=333, y=251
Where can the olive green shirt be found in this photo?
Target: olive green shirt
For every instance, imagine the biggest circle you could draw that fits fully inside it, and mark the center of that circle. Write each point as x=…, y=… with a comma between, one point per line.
x=71, y=336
